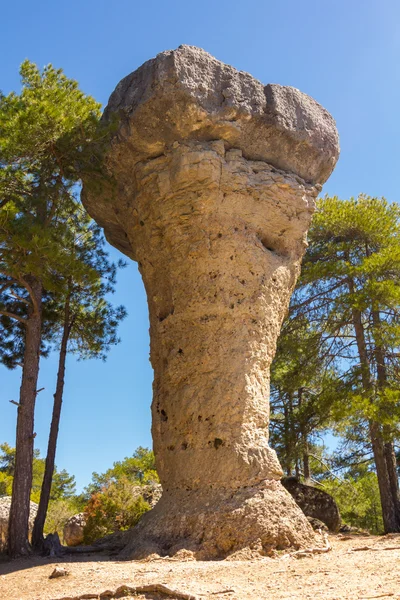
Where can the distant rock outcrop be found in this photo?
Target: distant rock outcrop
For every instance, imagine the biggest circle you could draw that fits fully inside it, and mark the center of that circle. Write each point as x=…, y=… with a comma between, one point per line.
x=314, y=503
x=73, y=530
x=5, y=503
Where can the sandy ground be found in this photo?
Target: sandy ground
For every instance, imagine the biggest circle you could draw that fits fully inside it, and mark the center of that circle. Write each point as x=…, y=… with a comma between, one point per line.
x=340, y=573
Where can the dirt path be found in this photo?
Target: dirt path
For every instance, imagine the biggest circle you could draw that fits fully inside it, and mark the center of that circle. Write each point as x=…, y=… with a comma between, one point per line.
x=339, y=574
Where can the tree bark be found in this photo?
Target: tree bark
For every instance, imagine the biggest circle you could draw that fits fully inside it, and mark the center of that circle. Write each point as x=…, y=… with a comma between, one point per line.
x=390, y=522
x=18, y=527
x=304, y=442
x=389, y=452
x=37, y=534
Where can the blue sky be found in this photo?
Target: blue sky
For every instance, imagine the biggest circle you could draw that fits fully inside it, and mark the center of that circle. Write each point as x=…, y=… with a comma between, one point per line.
x=346, y=54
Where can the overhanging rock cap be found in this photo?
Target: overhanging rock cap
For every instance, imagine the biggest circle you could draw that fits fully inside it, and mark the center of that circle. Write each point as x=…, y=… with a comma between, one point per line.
x=187, y=94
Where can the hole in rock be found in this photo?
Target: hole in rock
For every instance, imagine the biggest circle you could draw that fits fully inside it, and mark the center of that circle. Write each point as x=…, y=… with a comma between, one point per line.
x=217, y=443
x=267, y=245
x=180, y=351
x=163, y=315
x=164, y=416
x=141, y=223
x=184, y=445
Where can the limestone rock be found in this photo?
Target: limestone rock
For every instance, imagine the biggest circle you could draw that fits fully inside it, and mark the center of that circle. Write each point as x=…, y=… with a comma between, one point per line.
x=215, y=179
x=151, y=492
x=73, y=530
x=314, y=503
x=5, y=504
x=187, y=94
x=58, y=572
x=317, y=525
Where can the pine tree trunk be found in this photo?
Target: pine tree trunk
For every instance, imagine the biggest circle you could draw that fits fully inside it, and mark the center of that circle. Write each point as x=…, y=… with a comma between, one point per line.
x=391, y=465
x=304, y=442
x=388, y=506
x=287, y=462
x=18, y=526
x=389, y=452
x=37, y=535
x=389, y=512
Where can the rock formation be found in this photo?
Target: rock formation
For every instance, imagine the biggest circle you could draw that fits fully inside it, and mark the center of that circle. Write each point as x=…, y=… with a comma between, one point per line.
x=314, y=503
x=5, y=503
x=211, y=188
x=73, y=531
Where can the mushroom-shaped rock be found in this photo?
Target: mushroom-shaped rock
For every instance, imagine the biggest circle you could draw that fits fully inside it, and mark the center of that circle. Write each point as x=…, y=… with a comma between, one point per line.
x=215, y=179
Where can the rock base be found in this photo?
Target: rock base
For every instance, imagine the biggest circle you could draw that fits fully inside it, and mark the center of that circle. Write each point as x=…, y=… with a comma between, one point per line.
x=214, y=524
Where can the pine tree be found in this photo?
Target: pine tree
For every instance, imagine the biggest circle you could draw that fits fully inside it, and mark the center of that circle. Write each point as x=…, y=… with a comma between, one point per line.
x=44, y=135
x=350, y=291
x=302, y=375
x=86, y=322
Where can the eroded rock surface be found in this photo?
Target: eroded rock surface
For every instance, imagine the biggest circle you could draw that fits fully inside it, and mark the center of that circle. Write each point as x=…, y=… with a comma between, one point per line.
x=215, y=184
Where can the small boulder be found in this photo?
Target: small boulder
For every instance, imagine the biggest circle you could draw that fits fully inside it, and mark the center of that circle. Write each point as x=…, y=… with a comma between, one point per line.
x=314, y=502
x=73, y=530
x=317, y=525
x=59, y=572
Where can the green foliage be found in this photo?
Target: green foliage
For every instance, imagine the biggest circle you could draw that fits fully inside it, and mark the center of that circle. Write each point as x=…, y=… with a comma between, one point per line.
x=358, y=500
x=63, y=485
x=302, y=375
x=58, y=513
x=116, y=507
x=5, y=484
x=50, y=137
x=44, y=136
x=138, y=469
x=7, y=459
x=54, y=270
x=341, y=343
x=352, y=267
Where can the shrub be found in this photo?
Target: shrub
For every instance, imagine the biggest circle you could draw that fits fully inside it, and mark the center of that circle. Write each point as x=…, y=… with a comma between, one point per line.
x=358, y=501
x=58, y=513
x=116, y=507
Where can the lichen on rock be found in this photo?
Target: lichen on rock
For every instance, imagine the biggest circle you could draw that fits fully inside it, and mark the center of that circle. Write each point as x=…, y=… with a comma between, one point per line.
x=215, y=184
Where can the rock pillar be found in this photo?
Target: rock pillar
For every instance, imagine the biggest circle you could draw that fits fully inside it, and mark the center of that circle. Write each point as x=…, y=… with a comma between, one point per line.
x=215, y=183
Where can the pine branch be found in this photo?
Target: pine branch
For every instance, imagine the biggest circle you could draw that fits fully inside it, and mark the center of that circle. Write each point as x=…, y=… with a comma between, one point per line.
x=5, y=313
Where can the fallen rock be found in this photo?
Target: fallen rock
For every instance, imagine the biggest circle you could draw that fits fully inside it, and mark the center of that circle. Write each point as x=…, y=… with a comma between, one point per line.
x=316, y=524
x=314, y=503
x=5, y=504
x=59, y=572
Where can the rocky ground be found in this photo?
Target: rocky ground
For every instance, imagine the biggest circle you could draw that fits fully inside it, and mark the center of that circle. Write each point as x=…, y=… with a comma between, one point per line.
x=357, y=567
